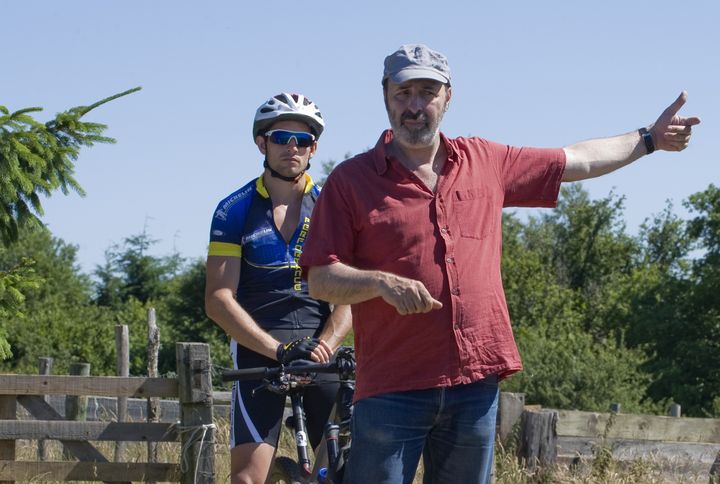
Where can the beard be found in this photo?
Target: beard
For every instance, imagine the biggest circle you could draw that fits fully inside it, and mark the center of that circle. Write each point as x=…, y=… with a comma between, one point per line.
x=416, y=137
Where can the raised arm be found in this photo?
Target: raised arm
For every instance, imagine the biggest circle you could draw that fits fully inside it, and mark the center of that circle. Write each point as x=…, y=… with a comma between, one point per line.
x=593, y=158
x=342, y=284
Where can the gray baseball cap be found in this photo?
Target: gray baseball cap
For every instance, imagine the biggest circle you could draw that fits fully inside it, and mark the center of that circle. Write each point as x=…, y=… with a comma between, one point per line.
x=416, y=61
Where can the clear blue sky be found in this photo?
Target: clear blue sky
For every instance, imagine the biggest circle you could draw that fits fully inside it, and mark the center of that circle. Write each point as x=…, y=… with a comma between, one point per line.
x=524, y=72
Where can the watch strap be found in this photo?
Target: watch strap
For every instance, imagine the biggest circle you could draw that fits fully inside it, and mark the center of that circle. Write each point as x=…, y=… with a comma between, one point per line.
x=647, y=139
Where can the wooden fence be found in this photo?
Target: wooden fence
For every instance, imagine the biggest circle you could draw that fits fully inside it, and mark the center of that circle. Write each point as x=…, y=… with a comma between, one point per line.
x=546, y=436
x=195, y=431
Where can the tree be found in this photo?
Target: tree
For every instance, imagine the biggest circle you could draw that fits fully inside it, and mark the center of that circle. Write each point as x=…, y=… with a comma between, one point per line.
x=570, y=361
x=36, y=159
x=60, y=318
x=129, y=283
x=679, y=321
x=182, y=313
x=131, y=272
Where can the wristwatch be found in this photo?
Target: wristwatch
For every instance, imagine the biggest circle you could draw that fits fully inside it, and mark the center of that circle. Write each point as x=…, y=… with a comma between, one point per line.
x=647, y=139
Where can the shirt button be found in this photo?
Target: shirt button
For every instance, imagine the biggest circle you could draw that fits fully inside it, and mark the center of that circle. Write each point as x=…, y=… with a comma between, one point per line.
x=443, y=230
x=455, y=291
x=450, y=260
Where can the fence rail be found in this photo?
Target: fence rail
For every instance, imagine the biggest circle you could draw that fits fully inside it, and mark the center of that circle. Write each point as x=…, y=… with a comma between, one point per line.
x=195, y=431
x=549, y=436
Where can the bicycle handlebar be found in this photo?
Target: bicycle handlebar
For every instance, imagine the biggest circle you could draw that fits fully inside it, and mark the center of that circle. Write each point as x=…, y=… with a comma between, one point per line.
x=270, y=371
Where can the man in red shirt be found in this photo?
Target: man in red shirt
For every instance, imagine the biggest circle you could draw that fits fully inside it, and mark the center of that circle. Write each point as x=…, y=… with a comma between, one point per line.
x=411, y=237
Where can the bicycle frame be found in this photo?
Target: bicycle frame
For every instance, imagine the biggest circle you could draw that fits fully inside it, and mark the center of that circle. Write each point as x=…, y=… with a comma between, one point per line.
x=283, y=380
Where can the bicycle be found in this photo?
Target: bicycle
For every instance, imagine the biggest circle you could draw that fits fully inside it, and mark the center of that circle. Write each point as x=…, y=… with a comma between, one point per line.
x=291, y=380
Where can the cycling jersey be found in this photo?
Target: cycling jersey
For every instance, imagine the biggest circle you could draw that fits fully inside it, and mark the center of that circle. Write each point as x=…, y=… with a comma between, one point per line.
x=271, y=288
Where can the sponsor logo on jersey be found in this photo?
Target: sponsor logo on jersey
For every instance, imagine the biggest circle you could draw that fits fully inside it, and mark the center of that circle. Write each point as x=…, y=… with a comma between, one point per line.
x=256, y=235
x=297, y=252
x=222, y=212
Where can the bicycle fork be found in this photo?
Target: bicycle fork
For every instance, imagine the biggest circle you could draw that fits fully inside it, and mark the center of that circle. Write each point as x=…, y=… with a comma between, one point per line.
x=301, y=437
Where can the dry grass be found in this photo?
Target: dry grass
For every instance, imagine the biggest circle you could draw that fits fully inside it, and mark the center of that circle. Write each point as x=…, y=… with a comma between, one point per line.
x=600, y=470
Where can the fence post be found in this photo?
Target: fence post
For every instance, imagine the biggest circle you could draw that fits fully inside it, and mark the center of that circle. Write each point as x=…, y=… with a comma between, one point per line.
x=122, y=351
x=8, y=411
x=538, y=438
x=675, y=410
x=44, y=368
x=715, y=471
x=509, y=413
x=196, y=413
x=153, y=404
x=76, y=405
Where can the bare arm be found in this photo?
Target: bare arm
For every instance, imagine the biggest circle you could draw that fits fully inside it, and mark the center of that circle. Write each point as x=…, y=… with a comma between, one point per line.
x=589, y=159
x=337, y=326
x=342, y=284
x=221, y=280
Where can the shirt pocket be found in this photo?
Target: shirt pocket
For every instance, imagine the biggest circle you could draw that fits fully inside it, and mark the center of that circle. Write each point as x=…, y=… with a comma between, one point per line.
x=474, y=213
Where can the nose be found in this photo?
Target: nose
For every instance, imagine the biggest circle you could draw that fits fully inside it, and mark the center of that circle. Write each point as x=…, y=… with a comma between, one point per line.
x=292, y=144
x=415, y=104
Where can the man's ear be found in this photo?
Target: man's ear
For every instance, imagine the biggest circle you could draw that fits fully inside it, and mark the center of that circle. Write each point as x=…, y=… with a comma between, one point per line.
x=260, y=142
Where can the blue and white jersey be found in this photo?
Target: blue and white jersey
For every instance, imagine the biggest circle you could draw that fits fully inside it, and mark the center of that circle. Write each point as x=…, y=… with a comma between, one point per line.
x=271, y=288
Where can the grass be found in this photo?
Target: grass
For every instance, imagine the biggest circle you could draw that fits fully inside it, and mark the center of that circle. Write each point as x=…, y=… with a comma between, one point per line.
x=600, y=469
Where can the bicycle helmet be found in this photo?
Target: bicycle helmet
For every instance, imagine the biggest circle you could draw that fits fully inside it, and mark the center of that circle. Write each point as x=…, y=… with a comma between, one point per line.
x=288, y=106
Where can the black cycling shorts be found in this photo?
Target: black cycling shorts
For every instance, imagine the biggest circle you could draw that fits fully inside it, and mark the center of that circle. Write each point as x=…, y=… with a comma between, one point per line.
x=259, y=418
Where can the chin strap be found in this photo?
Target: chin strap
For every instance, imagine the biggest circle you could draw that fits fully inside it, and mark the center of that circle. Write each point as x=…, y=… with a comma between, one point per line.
x=293, y=179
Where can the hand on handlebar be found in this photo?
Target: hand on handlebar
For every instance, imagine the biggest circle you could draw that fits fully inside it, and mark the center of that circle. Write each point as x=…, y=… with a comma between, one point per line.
x=306, y=348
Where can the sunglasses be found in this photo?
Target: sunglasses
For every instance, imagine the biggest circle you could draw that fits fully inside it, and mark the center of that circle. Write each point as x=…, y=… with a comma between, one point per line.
x=283, y=137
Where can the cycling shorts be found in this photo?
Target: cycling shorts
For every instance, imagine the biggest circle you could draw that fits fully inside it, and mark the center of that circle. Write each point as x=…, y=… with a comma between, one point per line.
x=258, y=418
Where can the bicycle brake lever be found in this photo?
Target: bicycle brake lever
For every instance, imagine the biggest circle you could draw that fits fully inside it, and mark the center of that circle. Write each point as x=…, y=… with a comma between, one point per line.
x=262, y=386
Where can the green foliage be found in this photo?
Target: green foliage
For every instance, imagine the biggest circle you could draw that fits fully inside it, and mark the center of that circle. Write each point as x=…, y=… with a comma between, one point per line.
x=130, y=272
x=603, y=317
x=185, y=320
x=566, y=367
x=567, y=276
x=15, y=280
x=37, y=159
x=60, y=319
x=678, y=319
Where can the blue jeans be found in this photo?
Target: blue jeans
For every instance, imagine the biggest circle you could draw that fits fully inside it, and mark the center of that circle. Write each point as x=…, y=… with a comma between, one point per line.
x=453, y=428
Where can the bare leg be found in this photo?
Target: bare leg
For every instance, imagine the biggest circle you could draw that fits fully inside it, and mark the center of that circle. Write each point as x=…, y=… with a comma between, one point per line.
x=250, y=463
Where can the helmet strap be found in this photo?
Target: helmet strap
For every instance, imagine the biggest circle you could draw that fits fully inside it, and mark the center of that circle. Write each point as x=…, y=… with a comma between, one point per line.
x=292, y=179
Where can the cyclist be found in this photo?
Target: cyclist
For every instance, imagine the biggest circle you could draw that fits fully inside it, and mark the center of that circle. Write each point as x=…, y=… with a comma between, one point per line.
x=254, y=289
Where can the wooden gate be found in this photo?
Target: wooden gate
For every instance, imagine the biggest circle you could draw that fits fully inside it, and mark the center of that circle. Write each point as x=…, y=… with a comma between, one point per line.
x=195, y=432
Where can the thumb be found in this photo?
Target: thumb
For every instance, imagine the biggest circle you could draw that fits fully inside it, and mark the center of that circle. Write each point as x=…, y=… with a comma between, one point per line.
x=436, y=304
x=676, y=105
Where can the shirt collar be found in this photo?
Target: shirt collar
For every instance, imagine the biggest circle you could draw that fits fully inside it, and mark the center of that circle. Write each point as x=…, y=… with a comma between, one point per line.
x=262, y=191
x=381, y=157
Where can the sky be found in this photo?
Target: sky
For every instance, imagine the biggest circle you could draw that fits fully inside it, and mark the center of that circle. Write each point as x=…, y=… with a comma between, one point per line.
x=524, y=73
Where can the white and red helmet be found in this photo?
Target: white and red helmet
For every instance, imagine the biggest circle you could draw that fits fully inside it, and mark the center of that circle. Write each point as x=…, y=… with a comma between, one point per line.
x=288, y=106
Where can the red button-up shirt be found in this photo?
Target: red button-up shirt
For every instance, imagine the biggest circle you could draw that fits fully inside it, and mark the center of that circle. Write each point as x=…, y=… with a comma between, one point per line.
x=373, y=213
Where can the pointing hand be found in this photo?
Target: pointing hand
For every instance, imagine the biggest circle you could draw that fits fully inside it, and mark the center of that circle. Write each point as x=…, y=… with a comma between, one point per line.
x=671, y=132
